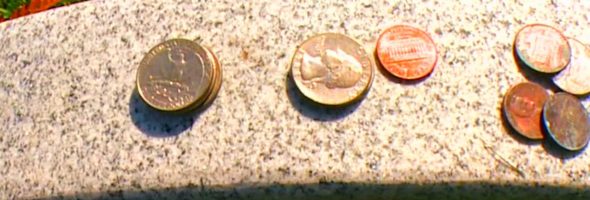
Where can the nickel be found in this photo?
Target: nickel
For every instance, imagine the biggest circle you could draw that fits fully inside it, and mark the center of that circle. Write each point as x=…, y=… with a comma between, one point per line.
x=332, y=69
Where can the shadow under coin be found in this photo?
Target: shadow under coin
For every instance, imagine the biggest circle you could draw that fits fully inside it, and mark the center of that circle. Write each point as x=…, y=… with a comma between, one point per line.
x=513, y=133
x=155, y=123
x=396, y=79
x=317, y=111
x=555, y=150
x=543, y=79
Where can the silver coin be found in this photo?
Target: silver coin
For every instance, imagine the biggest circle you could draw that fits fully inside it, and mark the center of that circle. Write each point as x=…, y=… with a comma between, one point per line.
x=174, y=75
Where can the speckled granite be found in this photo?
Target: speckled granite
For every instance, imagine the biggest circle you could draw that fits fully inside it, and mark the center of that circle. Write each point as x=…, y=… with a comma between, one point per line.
x=72, y=123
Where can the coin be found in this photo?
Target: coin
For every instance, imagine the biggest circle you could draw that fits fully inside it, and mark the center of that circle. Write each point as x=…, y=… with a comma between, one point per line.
x=575, y=78
x=217, y=76
x=406, y=52
x=542, y=48
x=567, y=121
x=522, y=106
x=174, y=75
x=332, y=69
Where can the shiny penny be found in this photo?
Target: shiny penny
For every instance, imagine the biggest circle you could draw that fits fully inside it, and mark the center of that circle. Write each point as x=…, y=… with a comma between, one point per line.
x=174, y=75
x=406, y=52
x=575, y=78
x=522, y=106
x=542, y=47
x=332, y=69
x=567, y=121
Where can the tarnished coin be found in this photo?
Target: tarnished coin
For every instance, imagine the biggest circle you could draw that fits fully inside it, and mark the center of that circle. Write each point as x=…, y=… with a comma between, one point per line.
x=522, y=106
x=567, y=121
x=406, y=52
x=175, y=75
x=542, y=47
x=575, y=78
x=332, y=69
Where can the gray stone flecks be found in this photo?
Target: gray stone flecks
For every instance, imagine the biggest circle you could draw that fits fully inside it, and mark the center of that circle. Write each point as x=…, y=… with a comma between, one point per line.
x=72, y=123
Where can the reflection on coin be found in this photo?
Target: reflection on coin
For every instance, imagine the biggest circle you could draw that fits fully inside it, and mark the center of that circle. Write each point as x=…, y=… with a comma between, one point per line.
x=216, y=85
x=575, y=78
x=406, y=52
x=218, y=77
x=567, y=121
x=586, y=102
x=543, y=48
x=332, y=69
x=174, y=75
x=522, y=106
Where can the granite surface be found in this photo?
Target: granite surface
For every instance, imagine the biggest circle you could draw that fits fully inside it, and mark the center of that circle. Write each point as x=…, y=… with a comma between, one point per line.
x=72, y=122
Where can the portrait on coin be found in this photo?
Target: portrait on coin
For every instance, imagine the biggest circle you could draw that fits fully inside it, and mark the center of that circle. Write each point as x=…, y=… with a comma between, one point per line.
x=333, y=68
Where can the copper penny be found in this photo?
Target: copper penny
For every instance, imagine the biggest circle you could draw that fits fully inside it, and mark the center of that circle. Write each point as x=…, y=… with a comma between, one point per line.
x=542, y=47
x=332, y=69
x=174, y=75
x=406, y=52
x=575, y=78
x=567, y=121
x=522, y=106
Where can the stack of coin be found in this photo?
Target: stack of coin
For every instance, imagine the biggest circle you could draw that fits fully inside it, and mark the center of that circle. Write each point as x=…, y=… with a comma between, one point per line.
x=178, y=75
x=332, y=69
x=406, y=52
x=528, y=106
